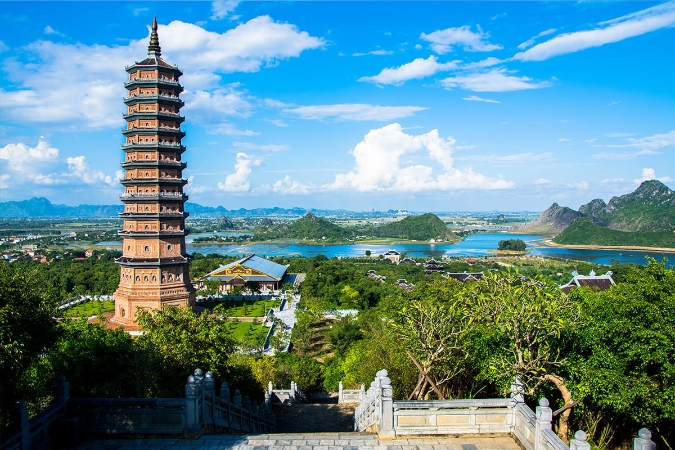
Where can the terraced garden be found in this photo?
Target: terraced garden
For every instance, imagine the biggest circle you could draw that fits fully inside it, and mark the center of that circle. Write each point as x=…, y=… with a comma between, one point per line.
x=244, y=308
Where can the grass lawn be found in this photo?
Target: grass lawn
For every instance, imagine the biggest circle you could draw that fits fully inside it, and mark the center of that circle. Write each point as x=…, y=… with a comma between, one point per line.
x=244, y=308
x=241, y=329
x=89, y=309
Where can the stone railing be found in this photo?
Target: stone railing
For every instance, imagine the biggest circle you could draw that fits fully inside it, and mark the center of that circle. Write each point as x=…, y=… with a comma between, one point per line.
x=292, y=395
x=350, y=395
x=69, y=420
x=378, y=412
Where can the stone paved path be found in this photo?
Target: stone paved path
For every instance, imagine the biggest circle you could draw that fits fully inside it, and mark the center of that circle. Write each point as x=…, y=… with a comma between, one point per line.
x=308, y=418
x=317, y=441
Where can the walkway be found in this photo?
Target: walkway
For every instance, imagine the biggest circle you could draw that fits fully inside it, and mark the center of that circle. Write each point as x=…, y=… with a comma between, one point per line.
x=317, y=441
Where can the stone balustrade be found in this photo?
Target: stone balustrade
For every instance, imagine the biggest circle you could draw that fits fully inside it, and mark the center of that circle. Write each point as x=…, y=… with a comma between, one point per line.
x=349, y=395
x=202, y=411
x=292, y=395
x=378, y=412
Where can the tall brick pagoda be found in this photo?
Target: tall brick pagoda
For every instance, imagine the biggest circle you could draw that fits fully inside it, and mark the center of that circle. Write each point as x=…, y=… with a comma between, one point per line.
x=154, y=265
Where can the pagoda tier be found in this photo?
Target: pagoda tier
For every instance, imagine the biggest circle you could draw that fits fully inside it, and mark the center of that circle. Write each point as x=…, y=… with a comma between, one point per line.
x=154, y=264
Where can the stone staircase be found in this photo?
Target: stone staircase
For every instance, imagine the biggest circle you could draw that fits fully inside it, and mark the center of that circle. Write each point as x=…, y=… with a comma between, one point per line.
x=314, y=417
x=311, y=441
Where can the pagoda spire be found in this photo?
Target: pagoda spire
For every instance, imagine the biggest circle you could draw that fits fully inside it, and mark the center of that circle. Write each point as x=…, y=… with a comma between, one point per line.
x=154, y=49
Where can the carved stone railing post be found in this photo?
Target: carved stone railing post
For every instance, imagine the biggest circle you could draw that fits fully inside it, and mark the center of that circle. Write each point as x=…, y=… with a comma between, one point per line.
x=517, y=396
x=236, y=402
x=270, y=388
x=268, y=400
x=226, y=404
x=341, y=395
x=24, y=426
x=191, y=404
x=255, y=415
x=363, y=392
x=544, y=417
x=386, y=426
x=62, y=390
x=292, y=394
x=644, y=440
x=209, y=398
x=579, y=442
x=246, y=413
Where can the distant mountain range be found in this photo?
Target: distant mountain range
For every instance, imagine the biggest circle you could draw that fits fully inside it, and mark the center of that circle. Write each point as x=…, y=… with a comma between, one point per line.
x=40, y=207
x=649, y=209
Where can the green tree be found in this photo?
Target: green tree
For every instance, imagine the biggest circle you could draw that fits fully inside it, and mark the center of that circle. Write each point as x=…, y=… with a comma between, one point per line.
x=432, y=325
x=368, y=253
x=343, y=334
x=188, y=341
x=624, y=352
x=527, y=319
x=27, y=330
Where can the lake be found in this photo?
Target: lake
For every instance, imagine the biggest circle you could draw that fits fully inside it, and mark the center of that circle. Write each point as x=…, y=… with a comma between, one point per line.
x=474, y=245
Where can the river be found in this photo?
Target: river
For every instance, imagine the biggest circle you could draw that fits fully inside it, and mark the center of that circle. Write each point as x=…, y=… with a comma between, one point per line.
x=474, y=245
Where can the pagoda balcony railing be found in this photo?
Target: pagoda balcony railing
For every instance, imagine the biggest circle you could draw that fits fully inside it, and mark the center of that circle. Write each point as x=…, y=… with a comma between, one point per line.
x=151, y=80
x=173, y=66
x=146, y=195
x=167, y=162
x=152, y=233
x=153, y=261
x=155, y=214
x=153, y=129
x=152, y=144
x=154, y=113
x=153, y=179
x=170, y=97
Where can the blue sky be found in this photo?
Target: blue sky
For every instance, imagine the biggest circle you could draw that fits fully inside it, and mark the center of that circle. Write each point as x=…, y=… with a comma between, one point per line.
x=434, y=106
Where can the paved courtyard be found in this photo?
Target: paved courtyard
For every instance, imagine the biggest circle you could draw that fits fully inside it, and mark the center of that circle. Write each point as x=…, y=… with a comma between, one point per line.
x=318, y=441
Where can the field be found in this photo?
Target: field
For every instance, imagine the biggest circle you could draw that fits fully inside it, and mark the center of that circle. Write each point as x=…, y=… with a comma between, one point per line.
x=244, y=308
x=89, y=309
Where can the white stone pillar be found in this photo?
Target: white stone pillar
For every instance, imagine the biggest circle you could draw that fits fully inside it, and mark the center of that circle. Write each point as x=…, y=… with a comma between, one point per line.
x=644, y=440
x=341, y=395
x=544, y=418
x=579, y=442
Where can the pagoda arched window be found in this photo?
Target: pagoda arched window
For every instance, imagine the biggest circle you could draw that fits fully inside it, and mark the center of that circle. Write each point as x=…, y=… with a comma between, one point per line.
x=163, y=279
x=154, y=278
x=145, y=278
x=177, y=277
x=170, y=277
x=138, y=278
x=168, y=247
x=146, y=208
x=123, y=313
x=147, y=249
x=146, y=227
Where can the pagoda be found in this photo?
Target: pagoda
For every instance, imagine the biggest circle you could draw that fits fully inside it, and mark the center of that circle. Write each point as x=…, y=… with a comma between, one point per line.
x=154, y=264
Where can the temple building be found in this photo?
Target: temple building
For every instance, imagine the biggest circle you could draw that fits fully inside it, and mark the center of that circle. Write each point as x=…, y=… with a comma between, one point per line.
x=593, y=281
x=253, y=268
x=154, y=264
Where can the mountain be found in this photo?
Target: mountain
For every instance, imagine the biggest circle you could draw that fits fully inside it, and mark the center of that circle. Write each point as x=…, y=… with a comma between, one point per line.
x=552, y=221
x=41, y=207
x=308, y=227
x=584, y=232
x=421, y=228
x=650, y=208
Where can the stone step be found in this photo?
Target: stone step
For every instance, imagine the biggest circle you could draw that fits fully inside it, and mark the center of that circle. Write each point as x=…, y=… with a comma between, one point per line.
x=312, y=441
x=314, y=417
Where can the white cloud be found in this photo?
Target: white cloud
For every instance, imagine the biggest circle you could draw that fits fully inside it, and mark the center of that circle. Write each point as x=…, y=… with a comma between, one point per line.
x=530, y=42
x=378, y=165
x=50, y=30
x=442, y=41
x=138, y=11
x=265, y=148
x=649, y=145
x=4, y=184
x=21, y=157
x=287, y=186
x=353, y=111
x=91, y=98
x=590, y=141
x=192, y=188
x=641, y=22
x=650, y=174
x=41, y=165
x=277, y=122
x=374, y=52
x=223, y=8
x=418, y=46
x=519, y=158
x=494, y=81
x=419, y=68
x=541, y=181
x=474, y=98
x=79, y=168
x=564, y=140
x=487, y=62
x=614, y=103
x=238, y=181
x=230, y=129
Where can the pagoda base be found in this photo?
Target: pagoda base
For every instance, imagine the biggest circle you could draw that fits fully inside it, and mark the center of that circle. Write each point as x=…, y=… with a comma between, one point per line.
x=127, y=304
